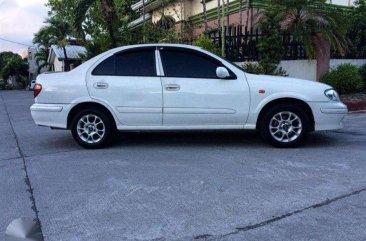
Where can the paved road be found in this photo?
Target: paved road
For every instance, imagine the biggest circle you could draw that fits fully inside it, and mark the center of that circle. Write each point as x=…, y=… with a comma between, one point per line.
x=174, y=186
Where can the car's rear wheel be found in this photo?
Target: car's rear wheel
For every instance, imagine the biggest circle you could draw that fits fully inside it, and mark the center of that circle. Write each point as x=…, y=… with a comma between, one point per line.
x=284, y=126
x=92, y=128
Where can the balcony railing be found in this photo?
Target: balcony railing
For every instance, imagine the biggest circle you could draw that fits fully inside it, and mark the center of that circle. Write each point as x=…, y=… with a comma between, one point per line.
x=139, y=4
x=139, y=20
x=150, y=4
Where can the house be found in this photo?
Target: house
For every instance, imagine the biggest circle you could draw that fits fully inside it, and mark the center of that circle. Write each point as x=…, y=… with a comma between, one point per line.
x=33, y=63
x=192, y=11
x=56, y=57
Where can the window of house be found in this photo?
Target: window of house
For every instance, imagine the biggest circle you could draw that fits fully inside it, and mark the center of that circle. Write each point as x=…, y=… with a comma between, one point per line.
x=188, y=64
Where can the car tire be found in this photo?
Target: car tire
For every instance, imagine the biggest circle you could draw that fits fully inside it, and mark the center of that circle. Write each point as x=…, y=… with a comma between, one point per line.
x=92, y=128
x=284, y=126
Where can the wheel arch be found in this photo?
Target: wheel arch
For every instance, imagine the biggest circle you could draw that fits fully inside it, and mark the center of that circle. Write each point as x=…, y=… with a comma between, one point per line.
x=90, y=104
x=288, y=100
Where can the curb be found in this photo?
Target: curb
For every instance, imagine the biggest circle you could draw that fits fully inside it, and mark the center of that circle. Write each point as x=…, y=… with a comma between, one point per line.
x=356, y=111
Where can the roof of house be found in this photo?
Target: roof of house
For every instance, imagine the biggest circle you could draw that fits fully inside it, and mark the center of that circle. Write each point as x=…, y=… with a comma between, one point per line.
x=72, y=51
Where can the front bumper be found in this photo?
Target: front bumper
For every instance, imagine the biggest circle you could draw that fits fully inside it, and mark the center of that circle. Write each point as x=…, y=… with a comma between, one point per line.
x=52, y=115
x=328, y=115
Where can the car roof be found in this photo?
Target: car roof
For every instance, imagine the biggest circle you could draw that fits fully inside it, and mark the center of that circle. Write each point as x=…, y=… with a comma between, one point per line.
x=155, y=45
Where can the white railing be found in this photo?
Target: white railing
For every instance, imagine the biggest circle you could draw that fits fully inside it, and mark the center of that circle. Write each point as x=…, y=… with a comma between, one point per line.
x=139, y=20
x=139, y=4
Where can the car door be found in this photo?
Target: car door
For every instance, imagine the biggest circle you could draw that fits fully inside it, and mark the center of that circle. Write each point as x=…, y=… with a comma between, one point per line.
x=127, y=81
x=194, y=95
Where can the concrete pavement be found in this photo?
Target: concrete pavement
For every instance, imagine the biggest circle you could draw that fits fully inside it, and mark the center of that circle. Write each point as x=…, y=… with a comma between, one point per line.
x=181, y=186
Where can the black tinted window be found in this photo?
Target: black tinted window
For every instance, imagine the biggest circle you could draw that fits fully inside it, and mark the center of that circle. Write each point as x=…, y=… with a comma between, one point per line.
x=106, y=67
x=136, y=63
x=189, y=64
x=140, y=62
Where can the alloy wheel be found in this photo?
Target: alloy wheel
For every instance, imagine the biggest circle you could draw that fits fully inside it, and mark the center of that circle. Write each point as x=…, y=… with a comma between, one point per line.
x=91, y=128
x=285, y=127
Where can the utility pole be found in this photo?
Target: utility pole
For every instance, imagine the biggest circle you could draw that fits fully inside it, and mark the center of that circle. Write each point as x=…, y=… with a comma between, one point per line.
x=241, y=14
x=227, y=13
x=143, y=24
x=204, y=14
x=223, y=29
x=248, y=12
x=219, y=21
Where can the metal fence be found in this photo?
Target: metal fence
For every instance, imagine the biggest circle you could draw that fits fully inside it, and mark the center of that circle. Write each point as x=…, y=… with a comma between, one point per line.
x=241, y=45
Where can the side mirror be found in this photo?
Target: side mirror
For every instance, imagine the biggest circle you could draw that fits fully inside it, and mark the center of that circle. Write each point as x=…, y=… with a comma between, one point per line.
x=222, y=73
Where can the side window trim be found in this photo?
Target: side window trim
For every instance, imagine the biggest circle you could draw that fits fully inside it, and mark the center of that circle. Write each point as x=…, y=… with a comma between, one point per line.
x=158, y=64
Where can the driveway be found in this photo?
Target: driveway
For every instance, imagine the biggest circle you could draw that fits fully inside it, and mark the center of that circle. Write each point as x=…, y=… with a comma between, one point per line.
x=181, y=186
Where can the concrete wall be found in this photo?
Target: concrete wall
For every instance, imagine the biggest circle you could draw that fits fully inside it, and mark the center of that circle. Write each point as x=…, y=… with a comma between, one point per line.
x=197, y=8
x=58, y=65
x=306, y=69
x=176, y=10
x=342, y=2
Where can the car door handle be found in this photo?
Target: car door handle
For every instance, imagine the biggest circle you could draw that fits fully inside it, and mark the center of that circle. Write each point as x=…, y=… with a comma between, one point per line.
x=101, y=85
x=172, y=87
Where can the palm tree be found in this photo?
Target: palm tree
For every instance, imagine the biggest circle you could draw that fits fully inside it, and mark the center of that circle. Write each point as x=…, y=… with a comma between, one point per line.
x=60, y=31
x=55, y=32
x=107, y=10
x=42, y=40
x=320, y=26
x=42, y=59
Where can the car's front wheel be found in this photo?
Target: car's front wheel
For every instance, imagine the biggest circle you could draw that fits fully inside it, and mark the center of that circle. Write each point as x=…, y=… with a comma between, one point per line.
x=91, y=128
x=284, y=126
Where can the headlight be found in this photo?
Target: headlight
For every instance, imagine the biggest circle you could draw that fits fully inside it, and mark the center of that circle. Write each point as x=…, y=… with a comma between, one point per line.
x=332, y=95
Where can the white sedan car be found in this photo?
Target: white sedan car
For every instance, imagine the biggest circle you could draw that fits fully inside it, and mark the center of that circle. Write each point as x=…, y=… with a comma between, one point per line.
x=32, y=84
x=179, y=87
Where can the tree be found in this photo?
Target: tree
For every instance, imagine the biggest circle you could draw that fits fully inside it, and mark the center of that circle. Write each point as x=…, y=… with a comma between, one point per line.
x=57, y=31
x=357, y=21
x=42, y=58
x=60, y=32
x=319, y=25
x=4, y=59
x=270, y=47
x=42, y=40
x=13, y=65
x=106, y=8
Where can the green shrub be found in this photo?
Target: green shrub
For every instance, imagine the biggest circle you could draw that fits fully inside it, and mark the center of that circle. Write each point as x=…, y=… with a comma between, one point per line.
x=258, y=68
x=346, y=78
x=206, y=43
x=253, y=68
x=363, y=74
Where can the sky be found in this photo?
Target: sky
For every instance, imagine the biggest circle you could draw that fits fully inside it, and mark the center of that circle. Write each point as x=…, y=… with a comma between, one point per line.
x=19, y=20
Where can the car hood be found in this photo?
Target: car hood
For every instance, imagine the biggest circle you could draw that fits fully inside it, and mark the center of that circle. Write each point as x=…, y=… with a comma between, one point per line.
x=307, y=89
x=287, y=80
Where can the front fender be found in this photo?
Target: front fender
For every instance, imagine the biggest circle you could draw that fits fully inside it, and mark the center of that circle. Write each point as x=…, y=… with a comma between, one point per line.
x=258, y=104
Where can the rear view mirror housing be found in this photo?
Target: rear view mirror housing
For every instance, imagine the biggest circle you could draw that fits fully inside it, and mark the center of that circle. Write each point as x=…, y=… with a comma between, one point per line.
x=222, y=73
